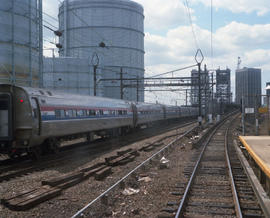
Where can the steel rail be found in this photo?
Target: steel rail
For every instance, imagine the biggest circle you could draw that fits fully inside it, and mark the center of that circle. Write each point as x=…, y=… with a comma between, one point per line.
x=234, y=192
x=181, y=207
x=65, y=154
x=79, y=213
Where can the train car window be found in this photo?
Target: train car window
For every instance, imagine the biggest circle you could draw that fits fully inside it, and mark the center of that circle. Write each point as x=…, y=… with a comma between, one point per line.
x=101, y=112
x=60, y=113
x=125, y=112
x=74, y=113
x=119, y=112
x=57, y=113
x=84, y=113
x=79, y=113
x=92, y=112
x=69, y=113
x=34, y=106
x=35, y=113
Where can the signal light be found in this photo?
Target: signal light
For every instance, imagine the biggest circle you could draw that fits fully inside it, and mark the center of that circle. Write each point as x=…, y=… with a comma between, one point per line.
x=21, y=100
x=58, y=45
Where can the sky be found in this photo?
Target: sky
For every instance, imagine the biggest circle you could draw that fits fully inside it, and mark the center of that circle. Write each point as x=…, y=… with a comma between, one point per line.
x=240, y=29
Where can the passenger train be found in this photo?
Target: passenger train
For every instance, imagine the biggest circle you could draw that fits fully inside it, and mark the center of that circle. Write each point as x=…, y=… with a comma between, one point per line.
x=34, y=118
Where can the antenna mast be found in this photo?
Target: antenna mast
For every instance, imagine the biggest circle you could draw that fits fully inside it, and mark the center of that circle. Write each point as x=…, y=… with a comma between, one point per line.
x=238, y=63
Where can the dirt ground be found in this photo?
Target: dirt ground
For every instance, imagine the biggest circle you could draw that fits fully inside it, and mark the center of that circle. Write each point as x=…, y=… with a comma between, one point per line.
x=148, y=199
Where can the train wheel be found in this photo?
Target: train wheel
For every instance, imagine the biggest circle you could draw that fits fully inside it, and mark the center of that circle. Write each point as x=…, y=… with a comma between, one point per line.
x=54, y=145
x=14, y=154
x=90, y=137
x=35, y=153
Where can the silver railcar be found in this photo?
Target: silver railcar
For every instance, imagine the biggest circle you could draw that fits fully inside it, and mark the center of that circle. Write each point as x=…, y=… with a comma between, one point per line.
x=31, y=116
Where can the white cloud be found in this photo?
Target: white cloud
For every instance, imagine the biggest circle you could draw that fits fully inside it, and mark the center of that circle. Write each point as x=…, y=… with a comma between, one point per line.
x=51, y=7
x=177, y=48
x=261, y=7
x=160, y=14
x=230, y=40
x=245, y=36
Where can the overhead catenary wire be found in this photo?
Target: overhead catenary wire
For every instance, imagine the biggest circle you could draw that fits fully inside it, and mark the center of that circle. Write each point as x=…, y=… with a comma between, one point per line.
x=212, y=53
x=191, y=24
x=172, y=71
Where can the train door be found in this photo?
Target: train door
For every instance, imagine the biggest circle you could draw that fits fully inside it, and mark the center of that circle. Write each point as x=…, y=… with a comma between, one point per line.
x=6, y=124
x=36, y=116
x=164, y=112
x=135, y=114
x=179, y=112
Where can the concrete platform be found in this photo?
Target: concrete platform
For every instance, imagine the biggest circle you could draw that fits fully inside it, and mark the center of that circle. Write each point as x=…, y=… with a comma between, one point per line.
x=261, y=193
x=259, y=149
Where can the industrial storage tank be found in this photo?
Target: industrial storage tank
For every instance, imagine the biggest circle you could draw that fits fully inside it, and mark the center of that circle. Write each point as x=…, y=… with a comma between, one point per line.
x=71, y=75
x=19, y=42
x=114, y=29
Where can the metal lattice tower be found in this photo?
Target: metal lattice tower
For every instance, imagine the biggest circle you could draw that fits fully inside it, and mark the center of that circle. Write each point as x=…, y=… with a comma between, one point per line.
x=223, y=86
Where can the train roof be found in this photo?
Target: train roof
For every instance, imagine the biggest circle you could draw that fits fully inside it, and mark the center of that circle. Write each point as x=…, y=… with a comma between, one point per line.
x=52, y=97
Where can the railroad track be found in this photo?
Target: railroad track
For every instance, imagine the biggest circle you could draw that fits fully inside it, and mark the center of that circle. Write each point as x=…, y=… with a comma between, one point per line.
x=216, y=184
x=28, y=166
x=53, y=187
x=133, y=172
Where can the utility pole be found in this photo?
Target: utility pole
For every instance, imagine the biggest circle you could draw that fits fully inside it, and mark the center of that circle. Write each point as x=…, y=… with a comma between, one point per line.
x=95, y=80
x=268, y=116
x=205, y=92
x=199, y=61
x=200, y=94
x=256, y=116
x=212, y=93
x=121, y=84
x=186, y=97
x=95, y=62
x=243, y=115
x=137, y=88
x=40, y=43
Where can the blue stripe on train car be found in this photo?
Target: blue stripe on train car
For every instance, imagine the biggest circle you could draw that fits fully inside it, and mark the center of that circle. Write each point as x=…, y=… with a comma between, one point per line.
x=52, y=117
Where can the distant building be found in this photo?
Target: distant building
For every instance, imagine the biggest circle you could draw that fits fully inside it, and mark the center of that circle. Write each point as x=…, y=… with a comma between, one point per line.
x=248, y=84
x=205, y=89
x=264, y=101
x=223, y=86
x=268, y=88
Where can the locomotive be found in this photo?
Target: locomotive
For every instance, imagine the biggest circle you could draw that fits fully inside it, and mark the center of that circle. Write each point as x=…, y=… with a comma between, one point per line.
x=32, y=118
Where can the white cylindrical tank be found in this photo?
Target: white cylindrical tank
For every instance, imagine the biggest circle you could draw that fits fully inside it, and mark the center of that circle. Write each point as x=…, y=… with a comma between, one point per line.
x=71, y=75
x=117, y=23
x=19, y=42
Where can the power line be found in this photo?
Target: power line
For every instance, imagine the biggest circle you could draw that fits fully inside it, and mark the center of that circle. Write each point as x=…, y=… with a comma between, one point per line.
x=212, y=33
x=191, y=24
x=184, y=68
